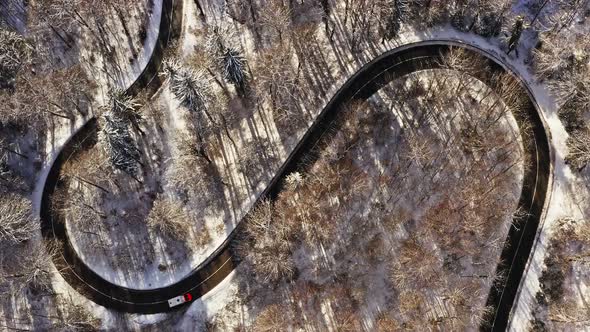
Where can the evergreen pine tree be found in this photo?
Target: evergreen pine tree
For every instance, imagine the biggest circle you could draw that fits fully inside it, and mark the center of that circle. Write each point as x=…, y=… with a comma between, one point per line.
x=515, y=33
x=234, y=67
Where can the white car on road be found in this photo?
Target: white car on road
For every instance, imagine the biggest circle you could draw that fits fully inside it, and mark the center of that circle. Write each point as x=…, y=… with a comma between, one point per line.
x=175, y=301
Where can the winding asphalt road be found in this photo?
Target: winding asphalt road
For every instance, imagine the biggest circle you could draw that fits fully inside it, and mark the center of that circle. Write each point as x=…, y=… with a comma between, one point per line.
x=364, y=83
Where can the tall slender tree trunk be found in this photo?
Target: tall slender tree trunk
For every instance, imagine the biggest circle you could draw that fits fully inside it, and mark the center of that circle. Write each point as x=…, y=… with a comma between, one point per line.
x=200, y=8
x=15, y=152
x=539, y=12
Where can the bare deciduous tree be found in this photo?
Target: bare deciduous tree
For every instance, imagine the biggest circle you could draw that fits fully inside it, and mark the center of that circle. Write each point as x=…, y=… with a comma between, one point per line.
x=463, y=61
x=273, y=318
x=169, y=216
x=15, y=52
x=275, y=17
x=418, y=265
x=75, y=317
x=553, y=58
x=16, y=219
x=394, y=13
x=277, y=76
x=385, y=323
x=271, y=255
x=90, y=168
x=32, y=266
x=80, y=206
x=360, y=22
x=578, y=149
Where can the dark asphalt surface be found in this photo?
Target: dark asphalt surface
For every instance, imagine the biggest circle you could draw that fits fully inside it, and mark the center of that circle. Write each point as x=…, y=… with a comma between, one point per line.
x=365, y=82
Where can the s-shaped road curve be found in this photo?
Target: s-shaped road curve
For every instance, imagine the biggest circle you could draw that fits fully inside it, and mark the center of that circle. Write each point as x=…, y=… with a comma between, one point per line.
x=365, y=82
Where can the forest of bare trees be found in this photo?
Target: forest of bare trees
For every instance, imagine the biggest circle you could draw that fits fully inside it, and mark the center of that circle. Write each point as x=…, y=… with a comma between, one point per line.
x=82, y=24
x=45, y=87
x=17, y=223
x=75, y=317
x=565, y=264
x=162, y=171
x=563, y=62
x=15, y=52
x=319, y=214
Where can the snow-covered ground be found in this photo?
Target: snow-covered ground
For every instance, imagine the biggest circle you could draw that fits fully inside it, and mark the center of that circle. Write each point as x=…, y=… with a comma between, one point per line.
x=61, y=132
x=35, y=311
x=567, y=199
x=333, y=64
x=131, y=54
x=348, y=64
x=367, y=161
x=161, y=261
x=562, y=201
